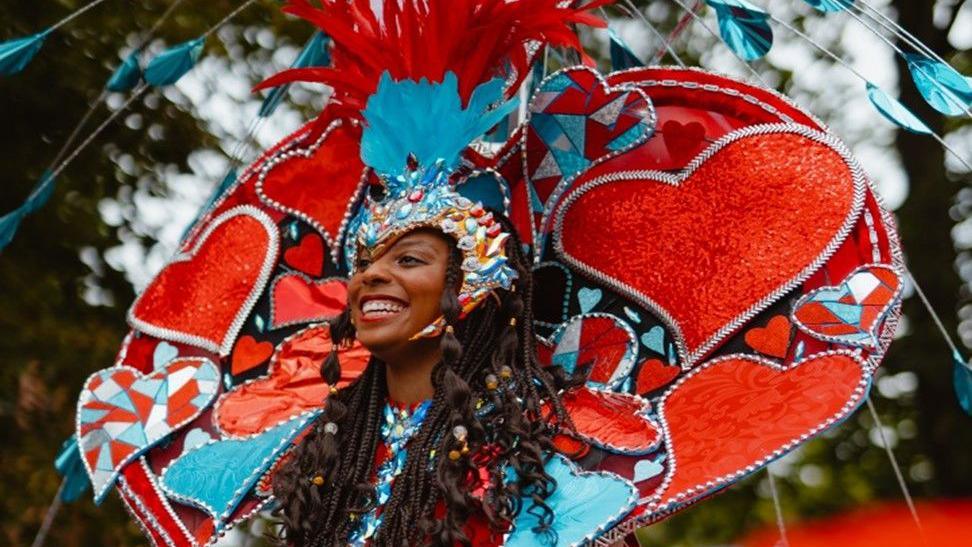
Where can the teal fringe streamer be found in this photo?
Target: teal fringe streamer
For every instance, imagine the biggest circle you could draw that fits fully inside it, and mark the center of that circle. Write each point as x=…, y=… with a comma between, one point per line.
x=314, y=54
x=743, y=27
x=621, y=55
x=172, y=64
x=16, y=54
x=10, y=222
x=893, y=110
x=127, y=75
x=69, y=466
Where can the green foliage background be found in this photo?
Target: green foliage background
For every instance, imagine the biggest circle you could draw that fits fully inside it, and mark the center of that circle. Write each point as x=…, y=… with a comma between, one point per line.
x=52, y=338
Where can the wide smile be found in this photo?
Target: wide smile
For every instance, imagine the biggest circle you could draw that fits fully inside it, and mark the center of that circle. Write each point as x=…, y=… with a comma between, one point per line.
x=381, y=307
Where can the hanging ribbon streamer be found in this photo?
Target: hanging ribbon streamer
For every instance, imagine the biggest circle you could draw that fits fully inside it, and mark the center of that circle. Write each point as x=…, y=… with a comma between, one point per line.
x=69, y=466
x=893, y=110
x=621, y=55
x=16, y=54
x=830, y=6
x=962, y=379
x=941, y=85
x=128, y=74
x=37, y=198
x=744, y=28
x=172, y=64
x=314, y=54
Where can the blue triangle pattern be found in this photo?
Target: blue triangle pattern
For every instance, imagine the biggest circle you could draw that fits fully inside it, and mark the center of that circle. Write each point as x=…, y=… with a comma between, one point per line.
x=848, y=313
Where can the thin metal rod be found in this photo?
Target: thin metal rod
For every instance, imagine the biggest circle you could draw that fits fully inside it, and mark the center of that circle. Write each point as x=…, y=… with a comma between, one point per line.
x=52, y=511
x=634, y=11
x=680, y=27
x=780, y=523
x=899, y=30
x=77, y=128
x=75, y=15
x=847, y=65
x=94, y=134
x=226, y=19
x=937, y=320
x=897, y=470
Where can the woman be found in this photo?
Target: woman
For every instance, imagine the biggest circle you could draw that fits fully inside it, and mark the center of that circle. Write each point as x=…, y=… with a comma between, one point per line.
x=432, y=424
x=442, y=439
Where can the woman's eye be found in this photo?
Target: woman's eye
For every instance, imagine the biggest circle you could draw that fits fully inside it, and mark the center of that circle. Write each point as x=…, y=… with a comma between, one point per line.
x=409, y=260
x=362, y=265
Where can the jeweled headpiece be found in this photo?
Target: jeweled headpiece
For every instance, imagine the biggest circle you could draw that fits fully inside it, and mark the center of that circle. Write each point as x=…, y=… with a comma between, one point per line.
x=425, y=89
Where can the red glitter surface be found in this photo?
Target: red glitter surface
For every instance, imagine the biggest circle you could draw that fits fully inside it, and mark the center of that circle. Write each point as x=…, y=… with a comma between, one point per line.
x=726, y=237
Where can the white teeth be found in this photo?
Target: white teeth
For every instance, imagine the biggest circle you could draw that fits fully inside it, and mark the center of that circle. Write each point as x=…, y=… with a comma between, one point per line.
x=381, y=306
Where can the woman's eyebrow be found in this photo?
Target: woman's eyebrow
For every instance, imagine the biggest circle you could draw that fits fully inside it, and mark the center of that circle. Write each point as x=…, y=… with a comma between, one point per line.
x=422, y=245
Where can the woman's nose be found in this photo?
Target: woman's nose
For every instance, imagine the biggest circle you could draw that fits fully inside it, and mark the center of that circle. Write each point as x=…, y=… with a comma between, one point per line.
x=375, y=274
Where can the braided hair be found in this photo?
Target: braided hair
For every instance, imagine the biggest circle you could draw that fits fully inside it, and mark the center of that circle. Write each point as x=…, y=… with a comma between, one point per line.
x=488, y=381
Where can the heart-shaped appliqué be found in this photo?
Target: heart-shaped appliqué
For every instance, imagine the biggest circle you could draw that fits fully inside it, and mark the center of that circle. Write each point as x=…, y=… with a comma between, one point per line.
x=773, y=339
x=654, y=374
x=163, y=353
x=217, y=476
x=588, y=298
x=683, y=141
x=298, y=299
x=723, y=420
x=584, y=505
x=204, y=294
x=599, y=341
x=576, y=120
x=615, y=421
x=307, y=256
x=293, y=384
x=249, y=353
x=316, y=182
x=711, y=247
x=122, y=413
x=850, y=313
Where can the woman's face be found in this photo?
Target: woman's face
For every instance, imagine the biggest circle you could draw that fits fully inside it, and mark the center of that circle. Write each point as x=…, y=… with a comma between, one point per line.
x=398, y=294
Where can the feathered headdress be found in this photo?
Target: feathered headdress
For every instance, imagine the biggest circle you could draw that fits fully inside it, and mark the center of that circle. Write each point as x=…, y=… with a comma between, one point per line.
x=426, y=78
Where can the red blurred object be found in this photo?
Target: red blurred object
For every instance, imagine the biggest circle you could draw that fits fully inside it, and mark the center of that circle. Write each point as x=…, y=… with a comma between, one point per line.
x=944, y=522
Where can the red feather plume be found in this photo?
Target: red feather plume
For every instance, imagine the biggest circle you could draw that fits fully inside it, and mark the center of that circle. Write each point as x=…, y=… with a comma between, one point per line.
x=476, y=39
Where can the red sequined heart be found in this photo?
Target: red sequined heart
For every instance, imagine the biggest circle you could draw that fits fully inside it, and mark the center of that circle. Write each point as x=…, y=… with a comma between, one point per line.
x=773, y=339
x=249, y=353
x=297, y=299
x=710, y=248
x=318, y=182
x=732, y=414
x=204, y=293
x=307, y=256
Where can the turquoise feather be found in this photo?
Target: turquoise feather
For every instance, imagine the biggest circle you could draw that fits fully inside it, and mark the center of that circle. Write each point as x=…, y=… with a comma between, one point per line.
x=830, y=6
x=743, y=27
x=69, y=466
x=621, y=55
x=427, y=120
x=127, y=75
x=315, y=53
x=10, y=222
x=16, y=54
x=893, y=110
x=942, y=86
x=172, y=64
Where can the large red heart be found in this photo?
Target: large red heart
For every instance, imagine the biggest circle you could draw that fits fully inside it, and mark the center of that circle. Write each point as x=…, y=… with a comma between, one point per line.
x=734, y=414
x=297, y=299
x=709, y=248
x=307, y=256
x=293, y=385
x=316, y=182
x=202, y=297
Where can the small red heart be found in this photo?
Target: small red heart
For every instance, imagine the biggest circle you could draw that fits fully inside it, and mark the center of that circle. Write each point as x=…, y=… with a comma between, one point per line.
x=249, y=353
x=654, y=374
x=297, y=299
x=683, y=141
x=773, y=339
x=307, y=256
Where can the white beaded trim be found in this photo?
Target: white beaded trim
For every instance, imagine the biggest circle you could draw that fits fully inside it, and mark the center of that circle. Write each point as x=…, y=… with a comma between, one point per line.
x=224, y=346
x=154, y=483
x=690, y=358
x=564, y=184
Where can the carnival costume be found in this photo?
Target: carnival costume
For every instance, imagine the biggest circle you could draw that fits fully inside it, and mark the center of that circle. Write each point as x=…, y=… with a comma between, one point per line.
x=706, y=254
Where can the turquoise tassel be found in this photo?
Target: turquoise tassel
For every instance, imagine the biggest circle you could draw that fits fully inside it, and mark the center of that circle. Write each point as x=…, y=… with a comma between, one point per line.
x=962, y=376
x=68, y=464
x=127, y=75
x=37, y=198
x=621, y=55
x=830, y=6
x=743, y=27
x=172, y=64
x=942, y=86
x=16, y=54
x=893, y=110
x=315, y=53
